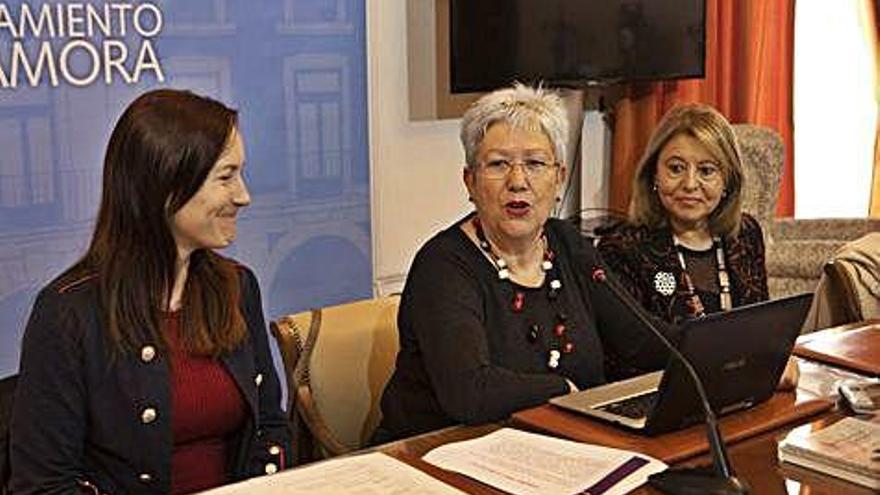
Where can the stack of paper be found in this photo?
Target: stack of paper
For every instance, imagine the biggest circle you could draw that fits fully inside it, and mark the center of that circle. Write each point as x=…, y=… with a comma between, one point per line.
x=847, y=449
x=523, y=463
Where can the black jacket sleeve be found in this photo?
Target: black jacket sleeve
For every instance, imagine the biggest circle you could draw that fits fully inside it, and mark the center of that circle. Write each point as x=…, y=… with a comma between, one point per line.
x=48, y=428
x=271, y=442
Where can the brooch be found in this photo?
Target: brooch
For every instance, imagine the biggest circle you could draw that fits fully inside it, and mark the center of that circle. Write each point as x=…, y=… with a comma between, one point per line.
x=664, y=283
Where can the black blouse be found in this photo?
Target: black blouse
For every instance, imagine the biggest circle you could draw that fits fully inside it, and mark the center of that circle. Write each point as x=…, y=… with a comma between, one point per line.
x=638, y=254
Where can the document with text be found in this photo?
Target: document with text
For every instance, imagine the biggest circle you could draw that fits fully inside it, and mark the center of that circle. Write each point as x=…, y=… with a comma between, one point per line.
x=524, y=463
x=368, y=474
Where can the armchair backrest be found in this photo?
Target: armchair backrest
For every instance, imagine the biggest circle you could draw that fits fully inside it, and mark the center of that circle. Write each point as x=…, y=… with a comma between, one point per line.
x=337, y=362
x=762, y=154
x=849, y=289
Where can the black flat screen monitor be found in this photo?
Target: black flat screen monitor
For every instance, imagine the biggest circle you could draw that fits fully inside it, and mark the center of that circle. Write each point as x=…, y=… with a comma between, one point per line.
x=574, y=42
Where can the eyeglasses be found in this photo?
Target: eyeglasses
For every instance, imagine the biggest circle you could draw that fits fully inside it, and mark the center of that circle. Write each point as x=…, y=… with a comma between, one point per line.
x=499, y=168
x=706, y=172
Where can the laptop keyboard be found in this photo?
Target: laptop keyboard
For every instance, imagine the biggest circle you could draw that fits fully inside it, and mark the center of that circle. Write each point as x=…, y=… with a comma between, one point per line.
x=633, y=407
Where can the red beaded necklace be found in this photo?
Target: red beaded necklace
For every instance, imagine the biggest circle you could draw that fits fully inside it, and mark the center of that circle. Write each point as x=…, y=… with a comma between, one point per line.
x=562, y=344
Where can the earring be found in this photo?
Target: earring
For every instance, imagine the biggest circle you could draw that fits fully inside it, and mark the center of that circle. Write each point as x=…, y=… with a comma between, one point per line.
x=654, y=187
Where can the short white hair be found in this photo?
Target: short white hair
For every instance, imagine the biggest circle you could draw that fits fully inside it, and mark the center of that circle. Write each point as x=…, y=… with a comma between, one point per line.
x=521, y=107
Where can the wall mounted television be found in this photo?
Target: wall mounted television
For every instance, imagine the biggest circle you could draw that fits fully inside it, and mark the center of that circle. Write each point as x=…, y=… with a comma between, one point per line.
x=574, y=42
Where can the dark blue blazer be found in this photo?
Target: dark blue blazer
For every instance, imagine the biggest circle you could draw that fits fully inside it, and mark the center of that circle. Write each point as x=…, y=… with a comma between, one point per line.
x=85, y=422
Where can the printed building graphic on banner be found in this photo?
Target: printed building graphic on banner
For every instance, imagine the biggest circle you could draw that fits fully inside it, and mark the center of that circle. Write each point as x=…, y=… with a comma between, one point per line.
x=296, y=71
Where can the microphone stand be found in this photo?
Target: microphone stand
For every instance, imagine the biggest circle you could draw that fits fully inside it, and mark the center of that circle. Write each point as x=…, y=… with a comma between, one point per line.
x=720, y=479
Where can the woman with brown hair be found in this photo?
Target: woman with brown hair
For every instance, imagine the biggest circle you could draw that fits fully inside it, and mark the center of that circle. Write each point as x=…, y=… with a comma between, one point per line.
x=145, y=367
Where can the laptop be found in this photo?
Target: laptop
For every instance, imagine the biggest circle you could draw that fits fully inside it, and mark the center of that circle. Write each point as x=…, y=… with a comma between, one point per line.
x=739, y=355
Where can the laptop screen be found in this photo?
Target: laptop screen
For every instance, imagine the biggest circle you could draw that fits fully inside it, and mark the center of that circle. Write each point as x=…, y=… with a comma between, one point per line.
x=739, y=356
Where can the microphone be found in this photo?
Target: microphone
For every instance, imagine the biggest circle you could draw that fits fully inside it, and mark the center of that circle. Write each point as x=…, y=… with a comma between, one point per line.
x=720, y=480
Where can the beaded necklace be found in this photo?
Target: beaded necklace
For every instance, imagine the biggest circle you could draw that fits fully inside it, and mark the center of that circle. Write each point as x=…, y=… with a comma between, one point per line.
x=561, y=345
x=694, y=302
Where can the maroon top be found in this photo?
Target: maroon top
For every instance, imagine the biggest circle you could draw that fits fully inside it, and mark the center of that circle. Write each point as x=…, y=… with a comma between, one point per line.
x=206, y=409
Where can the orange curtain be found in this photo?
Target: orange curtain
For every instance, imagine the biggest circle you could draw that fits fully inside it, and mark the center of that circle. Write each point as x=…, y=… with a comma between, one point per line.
x=749, y=63
x=872, y=29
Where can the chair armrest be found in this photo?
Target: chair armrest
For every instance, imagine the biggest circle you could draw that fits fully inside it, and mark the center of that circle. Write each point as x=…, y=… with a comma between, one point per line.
x=832, y=229
x=308, y=410
x=289, y=345
x=799, y=258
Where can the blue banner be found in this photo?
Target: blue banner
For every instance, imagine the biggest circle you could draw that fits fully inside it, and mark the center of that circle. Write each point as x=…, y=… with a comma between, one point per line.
x=295, y=70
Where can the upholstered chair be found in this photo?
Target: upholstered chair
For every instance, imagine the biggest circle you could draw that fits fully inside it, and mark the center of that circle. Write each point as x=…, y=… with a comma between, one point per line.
x=797, y=249
x=849, y=290
x=337, y=361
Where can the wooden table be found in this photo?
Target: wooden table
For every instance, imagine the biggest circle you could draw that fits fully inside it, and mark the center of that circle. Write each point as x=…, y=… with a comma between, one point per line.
x=754, y=459
x=780, y=411
x=854, y=346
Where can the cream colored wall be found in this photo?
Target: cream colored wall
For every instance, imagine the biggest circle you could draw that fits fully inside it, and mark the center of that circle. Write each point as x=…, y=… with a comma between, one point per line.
x=415, y=167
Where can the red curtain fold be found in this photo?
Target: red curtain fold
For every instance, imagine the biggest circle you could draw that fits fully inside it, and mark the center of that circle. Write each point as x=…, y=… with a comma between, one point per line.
x=749, y=65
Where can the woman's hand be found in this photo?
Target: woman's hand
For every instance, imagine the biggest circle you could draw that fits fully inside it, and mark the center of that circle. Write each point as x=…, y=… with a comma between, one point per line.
x=790, y=376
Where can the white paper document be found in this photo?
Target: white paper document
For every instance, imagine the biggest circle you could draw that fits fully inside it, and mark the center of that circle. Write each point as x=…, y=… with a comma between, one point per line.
x=368, y=474
x=530, y=464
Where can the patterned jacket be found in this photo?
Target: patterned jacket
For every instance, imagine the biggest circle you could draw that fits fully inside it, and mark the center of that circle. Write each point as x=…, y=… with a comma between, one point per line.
x=85, y=423
x=637, y=254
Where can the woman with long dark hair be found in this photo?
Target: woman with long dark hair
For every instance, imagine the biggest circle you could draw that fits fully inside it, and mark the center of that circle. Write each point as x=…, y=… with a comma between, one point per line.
x=145, y=367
